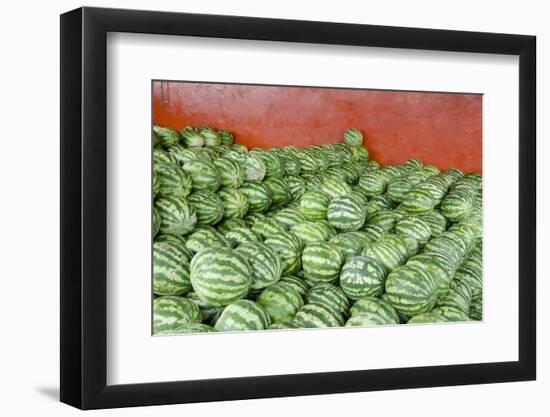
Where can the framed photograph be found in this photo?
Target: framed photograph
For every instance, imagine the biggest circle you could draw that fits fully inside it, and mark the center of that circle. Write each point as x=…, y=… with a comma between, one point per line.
x=257, y=208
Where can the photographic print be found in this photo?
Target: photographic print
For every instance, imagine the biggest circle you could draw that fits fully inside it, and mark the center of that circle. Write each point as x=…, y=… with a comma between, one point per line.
x=299, y=207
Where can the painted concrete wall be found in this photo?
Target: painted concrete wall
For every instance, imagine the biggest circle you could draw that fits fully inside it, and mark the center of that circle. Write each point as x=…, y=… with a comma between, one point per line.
x=440, y=129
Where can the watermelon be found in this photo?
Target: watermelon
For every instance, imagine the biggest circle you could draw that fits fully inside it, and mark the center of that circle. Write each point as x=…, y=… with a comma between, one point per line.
x=235, y=203
x=273, y=165
x=346, y=213
x=310, y=232
x=308, y=163
x=205, y=237
x=268, y=227
x=373, y=183
x=411, y=290
x=208, y=206
x=265, y=264
x=314, y=205
x=291, y=164
x=157, y=220
x=436, y=221
x=284, y=325
x=210, y=136
x=170, y=269
x=259, y=196
x=177, y=215
x=362, y=276
x=415, y=228
x=430, y=317
x=190, y=328
x=254, y=168
x=457, y=205
x=322, y=262
x=166, y=135
x=280, y=301
x=451, y=313
x=289, y=217
x=226, y=137
x=296, y=186
x=204, y=175
x=241, y=234
x=386, y=254
x=418, y=202
x=289, y=249
x=366, y=319
x=317, y=315
x=335, y=187
x=437, y=267
x=191, y=137
x=280, y=192
x=182, y=155
x=220, y=276
x=330, y=296
x=296, y=283
x=171, y=312
x=231, y=172
x=373, y=231
x=476, y=309
x=242, y=315
x=209, y=312
x=377, y=306
x=160, y=156
x=385, y=218
x=350, y=244
x=172, y=181
x=353, y=137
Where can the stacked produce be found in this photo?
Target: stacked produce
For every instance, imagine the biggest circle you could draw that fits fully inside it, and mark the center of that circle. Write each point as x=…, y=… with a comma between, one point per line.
x=284, y=238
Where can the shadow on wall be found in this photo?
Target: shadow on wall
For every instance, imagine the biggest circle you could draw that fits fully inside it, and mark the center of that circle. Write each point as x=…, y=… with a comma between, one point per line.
x=438, y=128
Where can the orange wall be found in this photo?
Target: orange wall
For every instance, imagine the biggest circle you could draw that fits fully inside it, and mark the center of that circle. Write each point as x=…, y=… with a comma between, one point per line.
x=439, y=129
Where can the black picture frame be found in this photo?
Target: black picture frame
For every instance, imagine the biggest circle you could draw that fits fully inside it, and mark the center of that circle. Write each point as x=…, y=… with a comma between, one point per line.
x=84, y=207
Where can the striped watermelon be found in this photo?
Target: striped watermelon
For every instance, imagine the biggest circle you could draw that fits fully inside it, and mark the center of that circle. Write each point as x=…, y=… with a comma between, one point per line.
x=209, y=312
x=411, y=290
x=179, y=240
x=191, y=137
x=353, y=137
x=254, y=168
x=182, y=155
x=308, y=163
x=208, y=206
x=241, y=234
x=289, y=248
x=166, y=135
x=296, y=186
x=456, y=206
x=289, y=216
x=385, y=254
x=310, y=232
x=242, y=315
x=210, y=136
x=265, y=264
x=172, y=181
x=437, y=267
x=226, y=137
x=171, y=312
x=268, y=227
x=204, y=175
x=346, y=213
x=273, y=166
x=373, y=231
x=430, y=317
x=361, y=277
x=314, y=205
x=280, y=301
x=317, y=315
x=231, y=172
x=160, y=156
x=418, y=202
x=436, y=221
x=259, y=196
x=235, y=203
x=334, y=187
x=252, y=217
x=377, y=306
x=298, y=284
x=170, y=269
x=330, y=296
x=220, y=276
x=191, y=328
x=385, y=218
x=291, y=164
x=451, y=313
x=476, y=309
x=177, y=215
x=397, y=242
x=284, y=325
x=205, y=237
x=415, y=228
x=240, y=148
x=366, y=319
x=350, y=244
x=157, y=220
x=373, y=183
x=322, y=262
x=280, y=193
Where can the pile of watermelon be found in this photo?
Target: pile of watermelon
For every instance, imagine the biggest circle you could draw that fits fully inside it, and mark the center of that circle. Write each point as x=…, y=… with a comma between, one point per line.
x=323, y=236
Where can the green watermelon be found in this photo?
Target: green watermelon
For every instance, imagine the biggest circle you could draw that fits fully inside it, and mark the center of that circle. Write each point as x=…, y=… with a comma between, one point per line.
x=435, y=267
x=366, y=319
x=385, y=254
x=361, y=277
x=235, y=203
x=289, y=216
x=209, y=312
x=177, y=215
x=346, y=213
x=296, y=283
x=317, y=315
x=241, y=234
x=308, y=163
x=157, y=220
x=208, y=206
x=280, y=192
x=226, y=137
x=411, y=290
x=322, y=262
x=273, y=166
x=296, y=186
x=289, y=248
x=330, y=296
x=377, y=306
x=350, y=244
x=310, y=232
x=429, y=317
x=259, y=196
x=210, y=136
x=373, y=183
x=314, y=205
x=268, y=227
x=436, y=221
x=254, y=168
x=172, y=181
x=191, y=328
x=280, y=301
x=415, y=228
x=265, y=264
x=451, y=313
x=171, y=312
x=242, y=315
x=160, y=156
x=231, y=172
x=353, y=137
x=205, y=237
x=166, y=135
x=220, y=276
x=204, y=175
x=191, y=137
x=335, y=188
x=170, y=269
x=418, y=202
x=284, y=325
